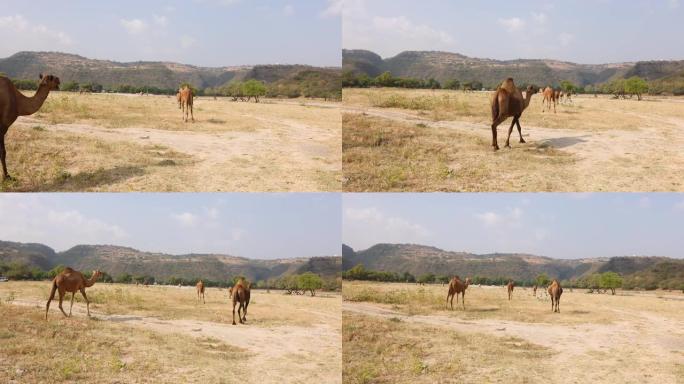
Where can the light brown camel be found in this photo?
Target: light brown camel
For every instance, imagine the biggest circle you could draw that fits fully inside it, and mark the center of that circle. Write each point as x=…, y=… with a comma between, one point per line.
x=200, y=291
x=555, y=291
x=549, y=99
x=240, y=293
x=70, y=280
x=509, y=287
x=14, y=104
x=186, y=103
x=507, y=102
x=456, y=286
x=178, y=97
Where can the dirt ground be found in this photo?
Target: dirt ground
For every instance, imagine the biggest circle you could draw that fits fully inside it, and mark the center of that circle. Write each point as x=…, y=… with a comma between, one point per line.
x=110, y=142
x=163, y=334
x=596, y=144
x=629, y=337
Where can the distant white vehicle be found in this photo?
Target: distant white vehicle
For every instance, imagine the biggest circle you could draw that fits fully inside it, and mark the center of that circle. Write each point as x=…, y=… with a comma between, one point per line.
x=3, y=278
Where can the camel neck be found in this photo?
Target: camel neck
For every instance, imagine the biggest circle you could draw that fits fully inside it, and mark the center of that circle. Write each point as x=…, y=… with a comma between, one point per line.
x=528, y=98
x=30, y=105
x=90, y=282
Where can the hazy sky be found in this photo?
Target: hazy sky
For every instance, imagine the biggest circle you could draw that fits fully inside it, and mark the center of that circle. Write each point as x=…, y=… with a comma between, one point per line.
x=546, y=224
x=583, y=31
x=265, y=226
x=199, y=32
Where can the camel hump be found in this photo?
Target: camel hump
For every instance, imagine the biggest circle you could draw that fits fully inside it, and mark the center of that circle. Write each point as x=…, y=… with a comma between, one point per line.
x=68, y=270
x=508, y=85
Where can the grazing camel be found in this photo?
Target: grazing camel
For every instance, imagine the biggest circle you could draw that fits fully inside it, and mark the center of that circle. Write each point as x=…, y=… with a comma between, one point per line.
x=200, y=291
x=555, y=291
x=534, y=290
x=509, y=287
x=456, y=287
x=186, y=103
x=241, y=293
x=70, y=280
x=507, y=102
x=14, y=104
x=549, y=99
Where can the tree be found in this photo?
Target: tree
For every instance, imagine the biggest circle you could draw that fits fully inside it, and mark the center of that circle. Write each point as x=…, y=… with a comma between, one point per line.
x=568, y=86
x=611, y=280
x=426, y=278
x=310, y=282
x=542, y=280
x=432, y=84
x=254, y=88
x=385, y=80
x=55, y=271
x=635, y=85
x=70, y=86
x=452, y=84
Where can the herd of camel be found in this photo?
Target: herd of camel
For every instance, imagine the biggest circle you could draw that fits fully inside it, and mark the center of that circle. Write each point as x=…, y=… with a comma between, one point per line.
x=72, y=281
x=456, y=287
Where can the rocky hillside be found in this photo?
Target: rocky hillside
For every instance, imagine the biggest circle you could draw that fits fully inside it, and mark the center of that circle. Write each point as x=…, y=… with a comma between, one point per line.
x=445, y=65
x=117, y=260
x=420, y=259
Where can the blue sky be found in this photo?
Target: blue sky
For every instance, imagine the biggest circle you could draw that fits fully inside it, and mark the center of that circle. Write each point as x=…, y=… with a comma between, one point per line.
x=583, y=31
x=547, y=224
x=264, y=226
x=199, y=32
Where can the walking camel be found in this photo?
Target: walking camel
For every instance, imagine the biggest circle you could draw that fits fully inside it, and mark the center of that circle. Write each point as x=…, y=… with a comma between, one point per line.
x=508, y=102
x=549, y=98
x=555, y=291
x=14, y=104
x=186, y=103
x=70, y=280
x=240, y=293
x=456, y=286
x=200, y=291
x=509, y=287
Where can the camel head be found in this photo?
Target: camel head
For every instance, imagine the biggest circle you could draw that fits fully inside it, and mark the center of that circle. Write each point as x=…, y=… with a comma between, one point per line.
x=532, y=89
x=467, y=281
x=50, y=81
x=96, y=273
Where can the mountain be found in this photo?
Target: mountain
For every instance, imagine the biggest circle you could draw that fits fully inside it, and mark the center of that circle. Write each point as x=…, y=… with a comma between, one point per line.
x=443, y=66
x=116, y=260
x=420, y=259
x=164, y=75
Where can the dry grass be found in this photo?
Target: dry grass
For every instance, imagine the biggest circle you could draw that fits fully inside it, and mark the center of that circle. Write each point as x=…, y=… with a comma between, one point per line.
x=383, y=155
x=120, y=143
x=594, y=144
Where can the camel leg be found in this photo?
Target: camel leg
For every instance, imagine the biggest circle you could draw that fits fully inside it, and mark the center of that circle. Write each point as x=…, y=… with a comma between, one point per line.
x=72, y=302
x=447, y=301
x=517, y=122
x=3, y=153
x=203, y=302
x=87, y=301
x=463, y=300
x=52, y=296
x=495, y=124
x=61, y=297
x=510, y=130
x=241, y=307
x=244, y=316
x=452, y=302
x=234, y=314
x=192, y=114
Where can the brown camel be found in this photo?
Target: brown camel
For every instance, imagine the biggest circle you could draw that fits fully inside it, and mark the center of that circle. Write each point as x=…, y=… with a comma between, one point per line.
x=555, y=291
x=241, y=293
x=456, y=287
x=200, y=291
x=509, y=287
x=14, y=104
x=70, y=280
x=186, y=103
x=549, y=99
x=178, y=97
x=534, y=290
x=507, y=102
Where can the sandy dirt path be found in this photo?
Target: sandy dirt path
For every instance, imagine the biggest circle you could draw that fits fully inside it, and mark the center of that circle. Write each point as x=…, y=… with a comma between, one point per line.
x=584, y=352
x=280, y=354
x=653, y=149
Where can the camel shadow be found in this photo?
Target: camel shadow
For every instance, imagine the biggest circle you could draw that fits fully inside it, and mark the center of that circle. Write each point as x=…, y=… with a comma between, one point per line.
x=562, y=142
x=123, y=319
x=92, y=179
x=485, y=309
x=579, y=312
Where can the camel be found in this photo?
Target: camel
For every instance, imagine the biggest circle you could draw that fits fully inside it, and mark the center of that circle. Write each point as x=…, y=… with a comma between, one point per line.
x=14, y=104
x=555, y=291
x=200, y=291
x=549, y=98
x=186, y=103
x=534, y=290
x=178, y=97
x=456, y=287
x=240, y=292
x=508, y=102
x=70, y=280
x=509, y=287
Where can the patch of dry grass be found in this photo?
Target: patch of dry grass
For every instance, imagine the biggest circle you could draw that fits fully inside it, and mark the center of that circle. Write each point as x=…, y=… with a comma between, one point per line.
x=42, y=160
x=392, y=351
x=383, y=155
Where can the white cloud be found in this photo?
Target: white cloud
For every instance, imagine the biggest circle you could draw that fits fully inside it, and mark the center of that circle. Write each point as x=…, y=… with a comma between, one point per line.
x=645, y=202
x=134, y=26
x=374, y=223
x=539, y=18
x=90, y=226
x=237, y=234
x=288, y=10
x=489, y=218
x=566, y=38
x=19, y=31
x=160, y=21
x=403, y=26
x=512, y=24
x=346, y=8
x=187, y=41
x=673, y=4
x=680, y=206
x=186, y=219
x=511, y=218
